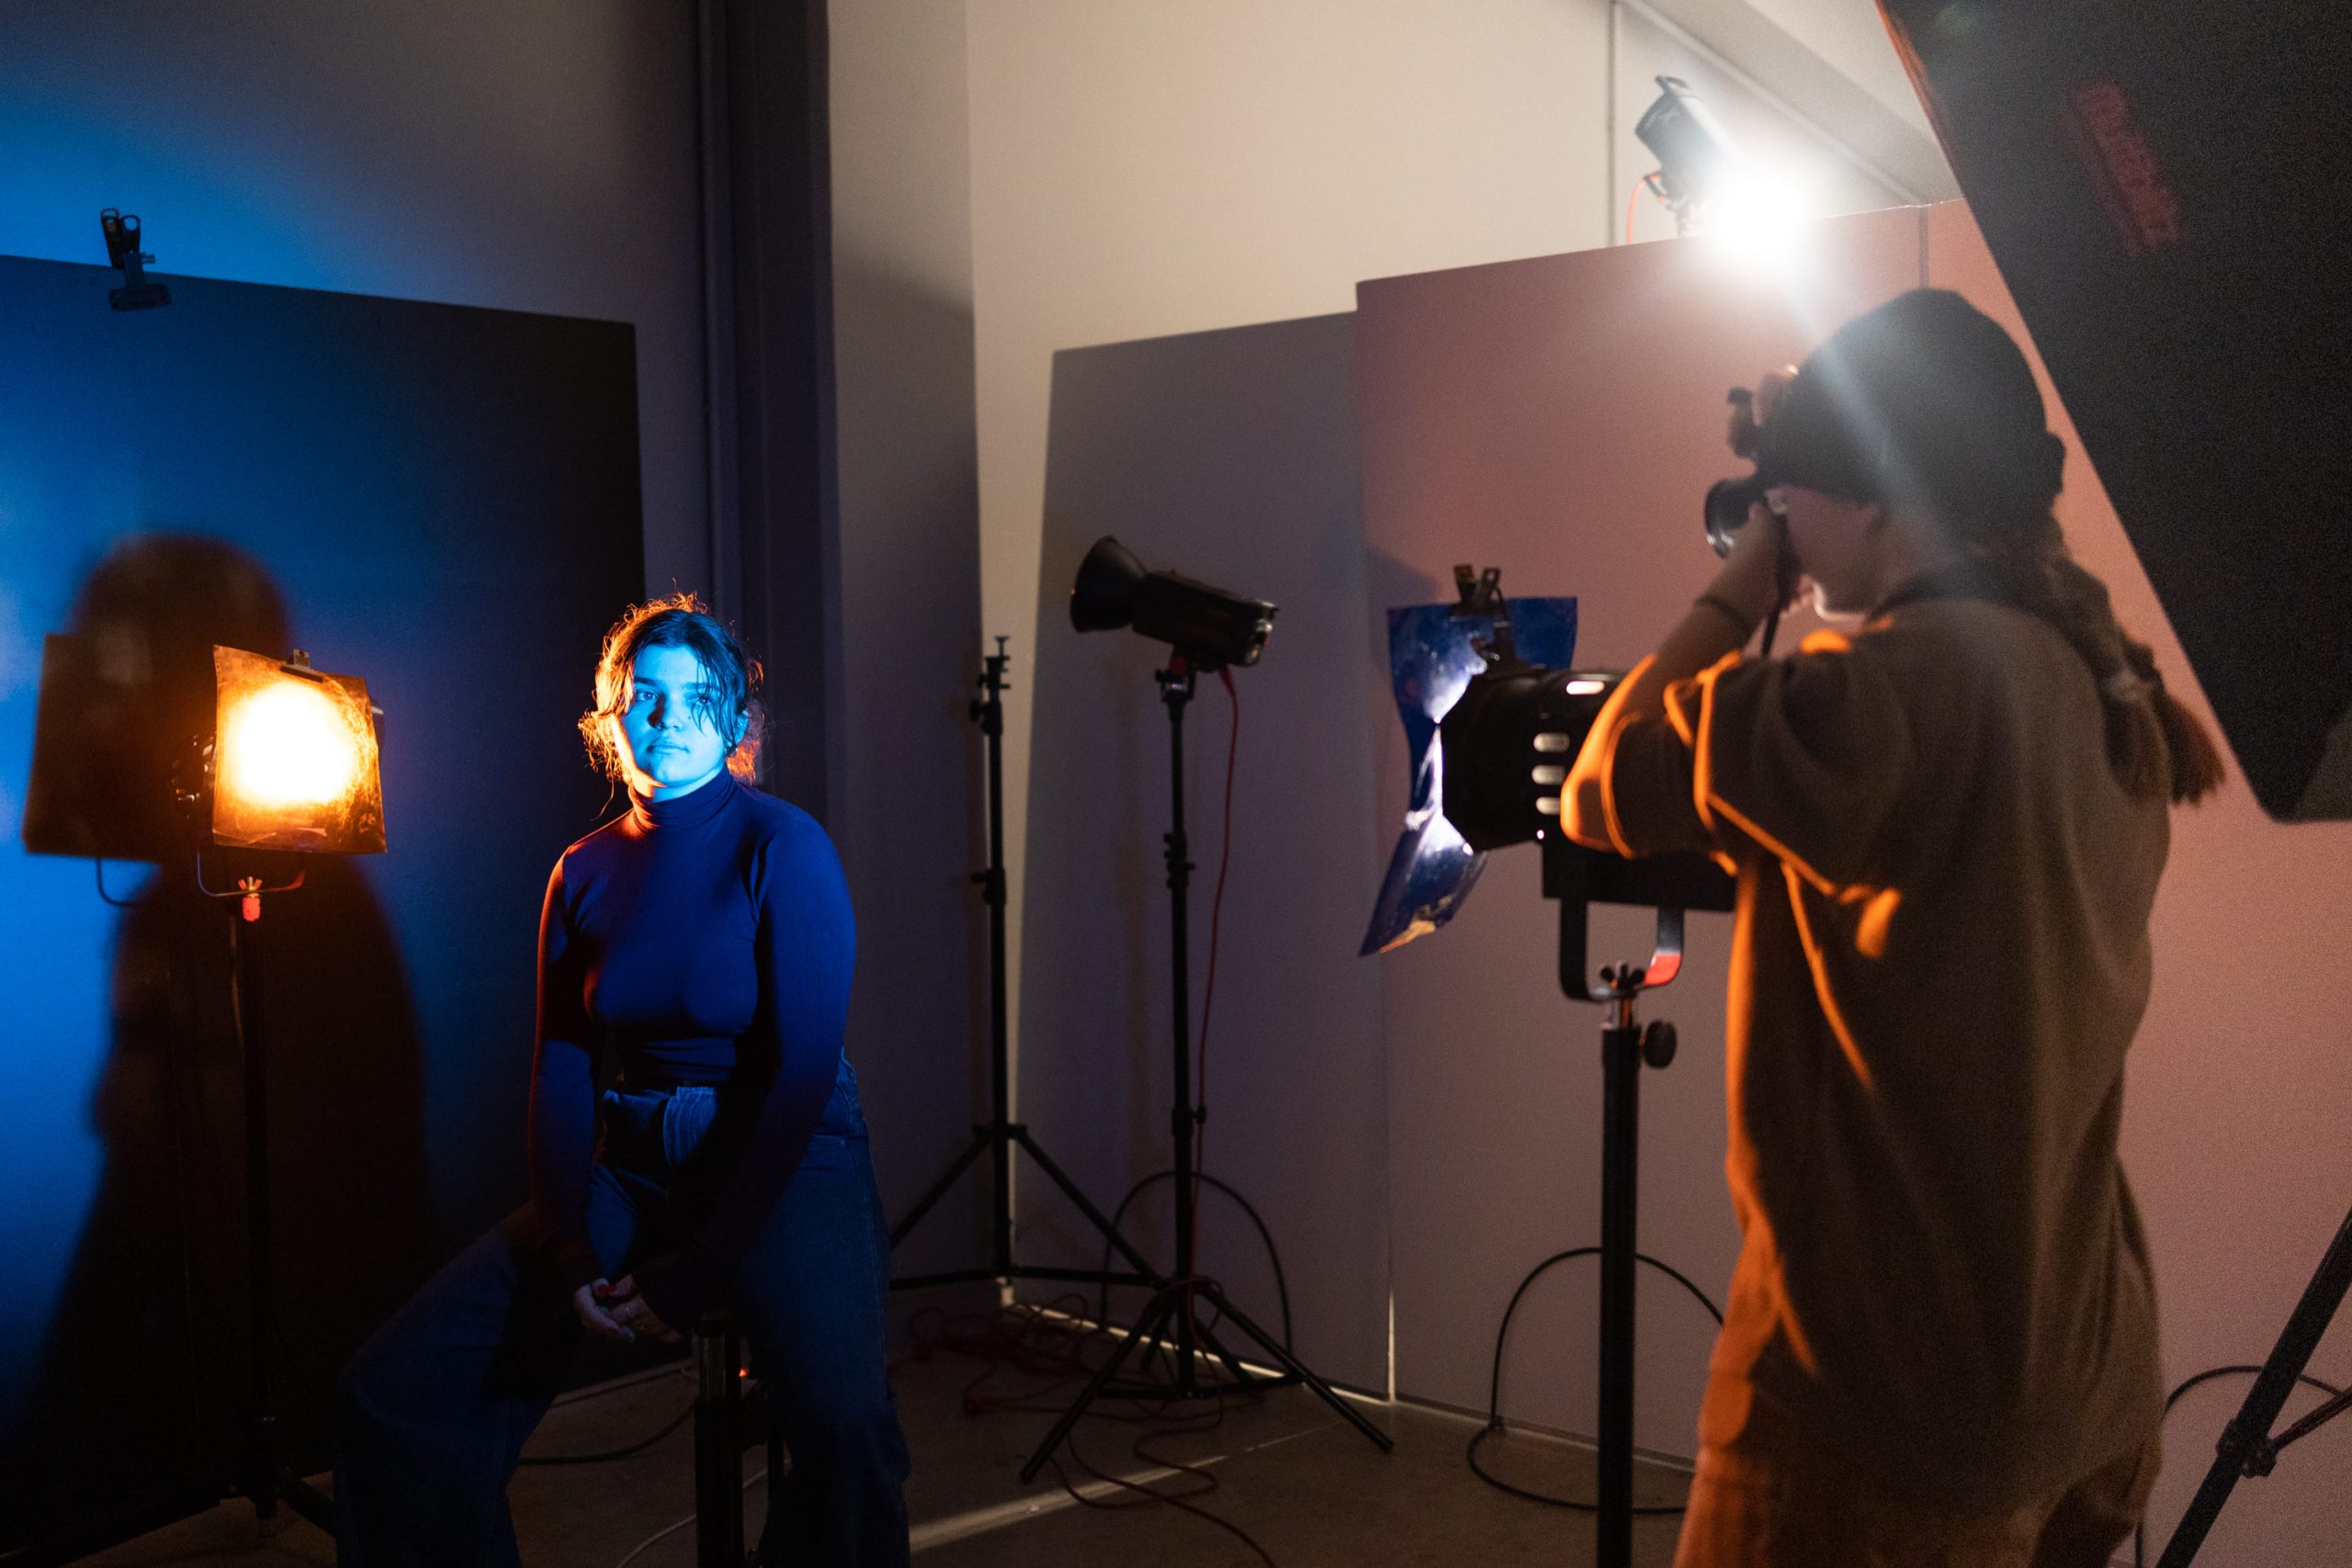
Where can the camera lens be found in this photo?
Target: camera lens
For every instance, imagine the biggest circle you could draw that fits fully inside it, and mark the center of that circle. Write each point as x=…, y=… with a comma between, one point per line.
x=1727, y=511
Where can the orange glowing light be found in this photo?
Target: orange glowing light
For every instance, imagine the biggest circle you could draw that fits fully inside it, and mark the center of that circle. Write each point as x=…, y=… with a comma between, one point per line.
x=286, y=745
x=295, y=760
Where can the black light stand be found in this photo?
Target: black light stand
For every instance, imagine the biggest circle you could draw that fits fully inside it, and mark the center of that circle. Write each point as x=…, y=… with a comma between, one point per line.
x=999, y=1135
x=1671, y=884
x=266, y=1479
x=2247, y=1448
x=1167, y=1324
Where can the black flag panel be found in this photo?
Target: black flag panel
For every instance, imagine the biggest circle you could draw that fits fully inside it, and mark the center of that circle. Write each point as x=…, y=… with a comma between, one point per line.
x=2167, y=186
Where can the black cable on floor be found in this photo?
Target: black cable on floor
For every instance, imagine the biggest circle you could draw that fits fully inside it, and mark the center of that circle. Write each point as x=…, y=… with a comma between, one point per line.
x=1495, y=1381
x=1051, y=1342
x=630, y=1452
x=2140, y=1530
x=1281, y=1286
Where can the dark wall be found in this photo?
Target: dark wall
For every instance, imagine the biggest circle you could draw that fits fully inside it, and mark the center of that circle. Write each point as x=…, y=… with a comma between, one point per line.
x=531, y=155
x=442, y=500
x=662, y=167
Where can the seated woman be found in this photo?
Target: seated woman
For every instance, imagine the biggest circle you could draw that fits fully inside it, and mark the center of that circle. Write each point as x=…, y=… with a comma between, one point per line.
x=704, y=938
x=1947, y=828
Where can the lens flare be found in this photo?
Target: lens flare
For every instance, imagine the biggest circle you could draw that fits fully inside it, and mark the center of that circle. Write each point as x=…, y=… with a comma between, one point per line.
x=288, y=745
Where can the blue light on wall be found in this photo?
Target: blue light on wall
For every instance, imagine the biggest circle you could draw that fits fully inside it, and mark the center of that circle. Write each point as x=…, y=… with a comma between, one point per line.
x=441, y=500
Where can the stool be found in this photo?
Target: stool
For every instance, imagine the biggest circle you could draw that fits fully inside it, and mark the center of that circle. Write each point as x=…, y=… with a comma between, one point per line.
x=719, y=1445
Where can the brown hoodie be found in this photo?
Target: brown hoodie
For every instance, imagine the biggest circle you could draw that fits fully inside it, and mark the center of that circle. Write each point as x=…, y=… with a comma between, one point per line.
x=1941, y=953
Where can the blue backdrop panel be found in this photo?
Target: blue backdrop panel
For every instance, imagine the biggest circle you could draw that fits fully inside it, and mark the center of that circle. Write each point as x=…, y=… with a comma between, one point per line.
x=443, y=500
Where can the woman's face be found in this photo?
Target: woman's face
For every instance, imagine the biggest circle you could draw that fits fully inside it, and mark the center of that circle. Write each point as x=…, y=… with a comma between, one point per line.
x=670, y=740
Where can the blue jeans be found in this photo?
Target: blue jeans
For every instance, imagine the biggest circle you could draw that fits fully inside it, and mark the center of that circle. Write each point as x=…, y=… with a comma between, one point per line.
x=434, y=1410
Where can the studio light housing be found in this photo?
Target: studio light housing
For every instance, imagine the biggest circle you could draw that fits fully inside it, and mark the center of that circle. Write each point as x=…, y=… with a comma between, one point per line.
x=1696, y=156
x=294, y=757
x=1436, y=654
x=124, y=254
x=1210, y=627
x=1757, y=210
x=1493, y=715
x=1510, y=742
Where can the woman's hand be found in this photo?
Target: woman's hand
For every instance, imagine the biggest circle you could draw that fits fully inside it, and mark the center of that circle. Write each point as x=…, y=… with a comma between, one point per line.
x=1759, y=575
x=615, y=1310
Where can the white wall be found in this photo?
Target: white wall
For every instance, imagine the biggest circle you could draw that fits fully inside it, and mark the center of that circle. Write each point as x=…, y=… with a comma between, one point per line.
x=1649, y=48
x=910, y=596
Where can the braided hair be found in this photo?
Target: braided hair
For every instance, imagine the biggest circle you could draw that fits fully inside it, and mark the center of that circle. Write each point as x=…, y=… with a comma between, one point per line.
x=1927, y=402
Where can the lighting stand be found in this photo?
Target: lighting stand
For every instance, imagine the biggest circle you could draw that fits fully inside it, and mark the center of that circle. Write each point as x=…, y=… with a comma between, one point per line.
x=1576, y=876
x=2246, y=1447
x=1000, y=1134
x=1625, y=1045
x=266, y=1481
x=1167, y=1324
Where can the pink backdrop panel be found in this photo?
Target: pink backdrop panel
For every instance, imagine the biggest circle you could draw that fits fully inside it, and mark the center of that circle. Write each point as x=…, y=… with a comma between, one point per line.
x=1561, y=418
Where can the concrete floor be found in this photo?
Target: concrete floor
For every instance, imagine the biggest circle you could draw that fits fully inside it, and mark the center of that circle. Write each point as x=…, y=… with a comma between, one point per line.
x=1312, y=1491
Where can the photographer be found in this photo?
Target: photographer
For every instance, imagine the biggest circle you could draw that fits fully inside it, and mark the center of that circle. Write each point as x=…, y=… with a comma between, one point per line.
x=1947, y=828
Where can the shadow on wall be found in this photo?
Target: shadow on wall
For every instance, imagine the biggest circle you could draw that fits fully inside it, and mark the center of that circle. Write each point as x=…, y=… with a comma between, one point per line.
x=134, y=1416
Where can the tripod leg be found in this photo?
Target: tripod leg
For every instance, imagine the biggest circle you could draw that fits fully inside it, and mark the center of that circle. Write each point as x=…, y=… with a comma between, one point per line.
x=1156, y=1354
x=1240, y=1373
x=1095, y=1215
x=1295, y=1368
x=2248, y=1434
x=923, y=1205
x=1149, y=1322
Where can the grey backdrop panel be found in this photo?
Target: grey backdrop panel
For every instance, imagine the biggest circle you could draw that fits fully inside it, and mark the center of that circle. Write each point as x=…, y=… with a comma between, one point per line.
x=1229, y=457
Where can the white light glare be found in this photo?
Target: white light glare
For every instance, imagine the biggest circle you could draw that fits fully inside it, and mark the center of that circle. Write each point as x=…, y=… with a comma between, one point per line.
x=1759, y=215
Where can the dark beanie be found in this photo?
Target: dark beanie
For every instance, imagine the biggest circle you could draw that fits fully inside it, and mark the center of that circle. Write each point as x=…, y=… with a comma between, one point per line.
x=1927, y=402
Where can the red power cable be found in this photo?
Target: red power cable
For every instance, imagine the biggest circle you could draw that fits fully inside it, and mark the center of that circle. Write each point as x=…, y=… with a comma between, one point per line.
x=1646, y=183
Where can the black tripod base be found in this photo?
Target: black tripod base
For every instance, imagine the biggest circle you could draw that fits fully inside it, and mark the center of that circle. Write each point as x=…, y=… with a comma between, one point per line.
x=1000, y=1139
x=1162, y=1328
x=2246, y=1447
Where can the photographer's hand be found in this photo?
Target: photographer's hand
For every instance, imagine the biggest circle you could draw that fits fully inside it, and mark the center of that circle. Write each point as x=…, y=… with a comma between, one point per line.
x=1759, y=576
x=1750, y=585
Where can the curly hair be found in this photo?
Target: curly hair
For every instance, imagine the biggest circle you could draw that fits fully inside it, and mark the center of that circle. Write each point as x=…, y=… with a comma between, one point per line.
x=732, y=704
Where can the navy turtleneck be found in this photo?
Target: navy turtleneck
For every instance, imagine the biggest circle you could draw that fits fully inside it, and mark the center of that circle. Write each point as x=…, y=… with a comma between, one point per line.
x=708, y=938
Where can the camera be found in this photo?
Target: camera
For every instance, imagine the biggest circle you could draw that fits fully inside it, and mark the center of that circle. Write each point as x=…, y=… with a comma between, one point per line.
x=1728, y=501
